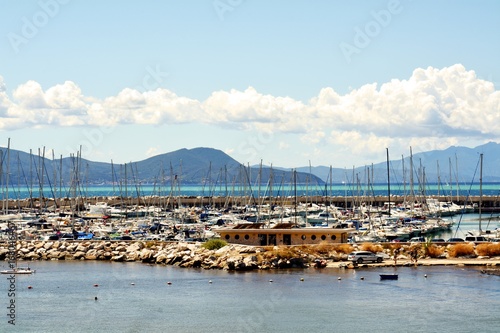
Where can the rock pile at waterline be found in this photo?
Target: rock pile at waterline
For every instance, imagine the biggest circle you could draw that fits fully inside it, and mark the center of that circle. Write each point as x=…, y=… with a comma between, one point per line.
x=229, y=257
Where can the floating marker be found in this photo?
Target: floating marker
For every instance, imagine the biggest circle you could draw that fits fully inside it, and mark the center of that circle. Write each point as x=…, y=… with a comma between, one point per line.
x=95, y=298
x=301, y=279
x=362, y=278
x=30, y=287
x=169, y=283
x=270, y=280
x=425, y=275
x=339, y=278
x=209, y=281
x=96, y=285
x=133, y=284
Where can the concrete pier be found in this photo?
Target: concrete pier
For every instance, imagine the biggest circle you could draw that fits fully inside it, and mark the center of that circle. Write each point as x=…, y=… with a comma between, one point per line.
x=489, y=203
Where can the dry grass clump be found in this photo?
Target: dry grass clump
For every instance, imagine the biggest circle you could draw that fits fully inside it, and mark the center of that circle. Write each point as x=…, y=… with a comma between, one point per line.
x=375, y=248
x=434, y=251
x=394, y=248
x=389, y=246
x=324, y=248
x=461, y=250
x=490, y=250
x=286, y=252
x=343, y=248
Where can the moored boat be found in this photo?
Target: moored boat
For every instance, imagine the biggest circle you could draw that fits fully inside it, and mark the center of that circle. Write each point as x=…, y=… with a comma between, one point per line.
x=18, y=270
x=388, y=276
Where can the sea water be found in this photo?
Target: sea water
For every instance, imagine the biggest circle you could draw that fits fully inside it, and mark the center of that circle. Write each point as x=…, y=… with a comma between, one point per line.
x=221, y=190
x=92, y=296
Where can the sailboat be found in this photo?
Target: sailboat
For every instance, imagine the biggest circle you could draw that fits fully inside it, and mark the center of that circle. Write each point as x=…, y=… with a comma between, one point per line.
x=18, y=270
x=13, y=268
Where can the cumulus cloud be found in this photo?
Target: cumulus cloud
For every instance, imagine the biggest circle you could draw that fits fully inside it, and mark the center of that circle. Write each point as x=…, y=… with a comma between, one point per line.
x=433, y=107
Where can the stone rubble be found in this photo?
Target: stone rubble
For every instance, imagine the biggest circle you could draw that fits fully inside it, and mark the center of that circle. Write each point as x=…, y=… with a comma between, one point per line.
x=230, y=257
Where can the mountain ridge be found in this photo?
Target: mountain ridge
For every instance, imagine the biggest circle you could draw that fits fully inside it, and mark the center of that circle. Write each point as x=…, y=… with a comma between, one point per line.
x=205, y=165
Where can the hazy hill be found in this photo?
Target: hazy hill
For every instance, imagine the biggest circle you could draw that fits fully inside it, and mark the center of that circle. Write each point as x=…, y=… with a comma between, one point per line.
x=455, y=164
x=213, y=167
x=185, y=166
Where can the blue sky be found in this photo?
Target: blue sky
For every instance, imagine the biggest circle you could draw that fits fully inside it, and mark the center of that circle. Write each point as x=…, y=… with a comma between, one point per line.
x=285, y=82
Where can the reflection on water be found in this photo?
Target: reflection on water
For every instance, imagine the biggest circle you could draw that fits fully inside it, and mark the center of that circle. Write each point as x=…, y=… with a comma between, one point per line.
x=133, y=297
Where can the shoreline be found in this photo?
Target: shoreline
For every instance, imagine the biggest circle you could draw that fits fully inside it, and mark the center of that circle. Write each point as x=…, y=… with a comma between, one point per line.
x=460, y=262
x=239, y=257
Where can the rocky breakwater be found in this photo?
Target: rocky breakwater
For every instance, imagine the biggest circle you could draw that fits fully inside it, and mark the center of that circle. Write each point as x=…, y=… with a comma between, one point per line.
x=229, y=257
x=242, y=257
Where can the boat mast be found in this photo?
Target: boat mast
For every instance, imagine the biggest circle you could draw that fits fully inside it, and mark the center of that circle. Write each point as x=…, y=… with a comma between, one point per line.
x=388, y=182
x=7, y=179
x=480, y=189
x=412, y=193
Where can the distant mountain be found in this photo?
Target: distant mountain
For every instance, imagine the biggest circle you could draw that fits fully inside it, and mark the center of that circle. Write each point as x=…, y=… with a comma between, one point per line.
x=185, y=166
x=213, y=167
x=456, y=164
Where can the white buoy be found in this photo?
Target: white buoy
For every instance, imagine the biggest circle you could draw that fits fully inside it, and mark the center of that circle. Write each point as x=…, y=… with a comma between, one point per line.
x=302, y=279
x=209, y=281
x=339, y=278
x=425, y=275
x=270, y=280
x=132, y=284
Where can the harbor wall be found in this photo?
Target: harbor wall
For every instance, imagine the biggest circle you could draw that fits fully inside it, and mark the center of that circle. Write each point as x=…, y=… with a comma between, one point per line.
x=488, y=203
x=240, y=257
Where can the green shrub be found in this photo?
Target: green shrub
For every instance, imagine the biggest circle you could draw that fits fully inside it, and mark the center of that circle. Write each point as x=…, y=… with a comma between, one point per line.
x=214, y=244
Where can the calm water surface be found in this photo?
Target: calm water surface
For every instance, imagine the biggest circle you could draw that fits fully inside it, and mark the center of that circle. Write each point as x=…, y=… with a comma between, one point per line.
x=134, y=297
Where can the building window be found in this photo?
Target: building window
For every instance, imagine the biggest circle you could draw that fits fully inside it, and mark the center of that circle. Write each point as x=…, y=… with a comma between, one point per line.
x=247, y=237
x=236, y=236
x=226, y=237
x=334, y=237
x=313, y=237
x=323, y=237
x=303, y=237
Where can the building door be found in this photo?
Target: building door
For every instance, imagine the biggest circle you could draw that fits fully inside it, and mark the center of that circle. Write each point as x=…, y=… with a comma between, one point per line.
x=272, y=239
x=263, y=240
x=287, y=239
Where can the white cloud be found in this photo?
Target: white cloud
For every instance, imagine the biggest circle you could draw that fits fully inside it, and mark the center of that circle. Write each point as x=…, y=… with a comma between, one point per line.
x=152, y=151
x=433, y=108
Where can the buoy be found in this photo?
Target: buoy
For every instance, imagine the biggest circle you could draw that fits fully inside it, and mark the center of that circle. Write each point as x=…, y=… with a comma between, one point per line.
x=30, y=287
x=301, y=279
x=339, y=278
x=96, y=285
x=209, y=281
x=95, y=298
x=133, y=284
x=362, y=278
x=425, y=275
x=169, y=283
x=270, y=280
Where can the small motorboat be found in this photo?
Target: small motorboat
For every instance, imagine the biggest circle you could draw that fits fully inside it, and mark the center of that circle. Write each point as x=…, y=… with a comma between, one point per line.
x=18, y=270
x=388, y=276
